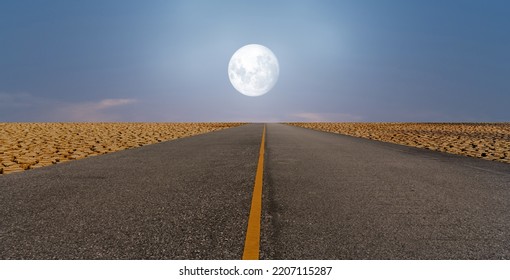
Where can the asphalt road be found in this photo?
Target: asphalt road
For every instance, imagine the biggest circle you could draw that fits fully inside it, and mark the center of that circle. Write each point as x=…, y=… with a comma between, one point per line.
x=331, y=196
x=325, y=196
x=184, y=199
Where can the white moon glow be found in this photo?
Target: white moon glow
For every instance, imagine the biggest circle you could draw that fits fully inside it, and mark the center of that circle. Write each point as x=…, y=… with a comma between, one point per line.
x=253, y=70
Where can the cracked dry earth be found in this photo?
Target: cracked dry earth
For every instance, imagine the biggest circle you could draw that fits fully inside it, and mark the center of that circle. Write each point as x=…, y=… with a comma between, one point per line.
x=31, y=145
x=490, y=141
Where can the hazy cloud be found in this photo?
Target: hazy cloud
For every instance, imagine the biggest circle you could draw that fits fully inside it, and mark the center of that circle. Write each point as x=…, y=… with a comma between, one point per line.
x=27, y=107
x=104, y=110
x=19, y=100
x=108, y=103
x=325, y=117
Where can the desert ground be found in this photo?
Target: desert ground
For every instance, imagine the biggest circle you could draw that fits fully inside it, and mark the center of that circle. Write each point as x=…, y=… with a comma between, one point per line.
x=31, y=145
x=490, y=141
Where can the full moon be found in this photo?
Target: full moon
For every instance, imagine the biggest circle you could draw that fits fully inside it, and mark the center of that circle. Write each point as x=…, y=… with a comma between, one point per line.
x=253, y=70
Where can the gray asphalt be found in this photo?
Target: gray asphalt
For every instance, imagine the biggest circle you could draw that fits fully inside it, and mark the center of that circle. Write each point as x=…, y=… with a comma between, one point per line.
x=326, y=196
x=330, y=196
x=184, y=199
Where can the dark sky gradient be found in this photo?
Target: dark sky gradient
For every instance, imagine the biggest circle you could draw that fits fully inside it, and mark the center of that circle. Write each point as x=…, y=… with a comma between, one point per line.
x=161, y=61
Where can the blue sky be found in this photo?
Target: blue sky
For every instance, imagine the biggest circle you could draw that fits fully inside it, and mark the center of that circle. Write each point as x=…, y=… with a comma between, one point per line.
x=166, y=61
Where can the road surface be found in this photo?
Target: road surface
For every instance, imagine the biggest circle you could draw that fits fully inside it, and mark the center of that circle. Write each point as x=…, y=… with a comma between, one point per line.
x=325, y=196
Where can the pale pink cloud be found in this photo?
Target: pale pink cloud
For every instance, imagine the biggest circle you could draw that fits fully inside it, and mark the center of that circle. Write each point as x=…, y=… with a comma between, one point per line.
x=107, y=103
x=103, y=110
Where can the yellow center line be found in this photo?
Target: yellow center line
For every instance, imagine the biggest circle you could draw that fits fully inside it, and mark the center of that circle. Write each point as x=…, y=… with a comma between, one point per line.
x=252, y=242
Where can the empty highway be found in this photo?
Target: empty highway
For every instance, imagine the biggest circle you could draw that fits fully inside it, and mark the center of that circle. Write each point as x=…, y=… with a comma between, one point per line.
x=324, y=196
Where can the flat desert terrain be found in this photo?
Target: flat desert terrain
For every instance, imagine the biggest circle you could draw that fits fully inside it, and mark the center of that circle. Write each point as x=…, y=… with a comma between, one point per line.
x=489, y=141
x=31, y=145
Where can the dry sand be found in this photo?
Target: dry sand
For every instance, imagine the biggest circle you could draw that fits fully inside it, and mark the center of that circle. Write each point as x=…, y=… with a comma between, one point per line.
x=489, y=141
x=31, y=145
